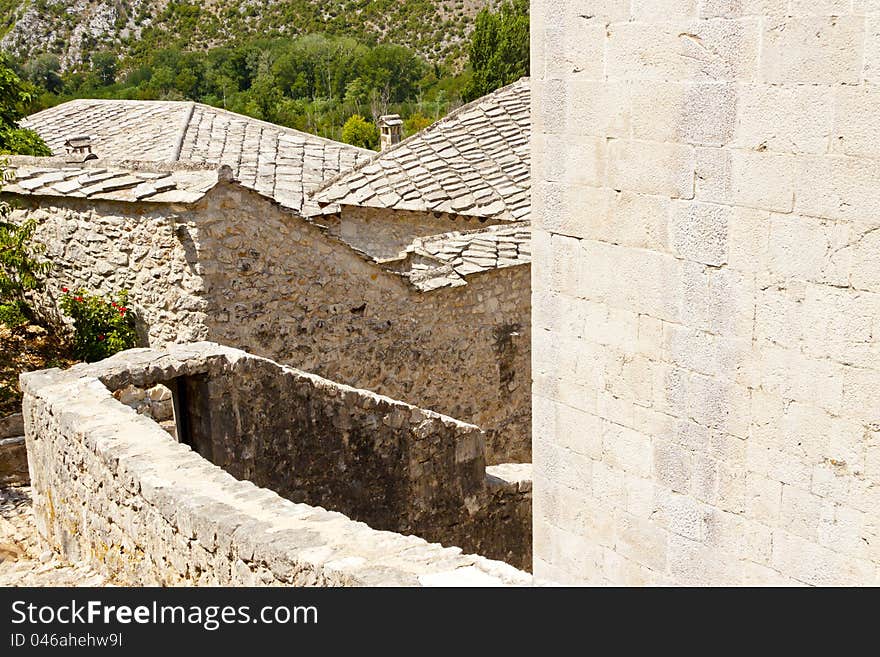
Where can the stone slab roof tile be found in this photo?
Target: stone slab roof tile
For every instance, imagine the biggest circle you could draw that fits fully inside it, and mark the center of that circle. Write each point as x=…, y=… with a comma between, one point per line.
x=489, y=136
x=258, y=153
x=446, y=260
x=126, y=181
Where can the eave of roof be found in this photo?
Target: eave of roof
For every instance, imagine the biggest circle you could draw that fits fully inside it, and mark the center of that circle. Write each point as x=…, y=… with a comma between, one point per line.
x=130, y=182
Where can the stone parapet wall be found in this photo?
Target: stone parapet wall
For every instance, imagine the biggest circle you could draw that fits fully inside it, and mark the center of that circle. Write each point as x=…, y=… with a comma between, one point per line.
x=111, y=487
x=705, y=291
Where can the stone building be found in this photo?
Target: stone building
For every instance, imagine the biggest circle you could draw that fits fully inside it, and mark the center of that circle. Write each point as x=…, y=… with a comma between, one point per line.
x=706, y=373
x=429, y=306
x=205, y=257
x=469, y=170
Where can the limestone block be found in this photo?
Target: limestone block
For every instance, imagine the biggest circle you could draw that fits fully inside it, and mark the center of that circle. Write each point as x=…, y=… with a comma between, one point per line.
x=662, y=10
x=789, y=119
x=599, y=109
x=813, y=50
x=627, y=450
x=699, y=114
x=699, y=231
x=817, y=565
x=837, y=188
x=809, y=249
x=871, y=70
x=651, y=168
x=707, y=50
x=735, y=8
x=642, y=541
x=756, y=180
x=857, y=129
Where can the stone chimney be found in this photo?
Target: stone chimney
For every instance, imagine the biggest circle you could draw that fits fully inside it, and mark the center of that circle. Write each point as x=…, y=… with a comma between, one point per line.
x=391, y=131
x=79, y=149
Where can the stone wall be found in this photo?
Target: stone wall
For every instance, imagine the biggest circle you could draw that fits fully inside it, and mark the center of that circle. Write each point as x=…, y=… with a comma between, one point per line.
x=706, y=292
x=383, y=462
x=13, y=451
x=237, y=269
x=384, y=234
x=112, y=488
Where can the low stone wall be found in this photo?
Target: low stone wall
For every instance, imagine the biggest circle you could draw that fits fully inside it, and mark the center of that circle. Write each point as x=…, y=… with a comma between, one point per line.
x=112, y=487
x=13, y=453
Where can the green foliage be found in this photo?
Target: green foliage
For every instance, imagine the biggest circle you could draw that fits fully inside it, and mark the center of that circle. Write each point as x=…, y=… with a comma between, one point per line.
x=313, y=82
x=499, y=48
x=15, y=96
x=101, y=327
x=416, y=123
x=357, y=131
x=14, y=314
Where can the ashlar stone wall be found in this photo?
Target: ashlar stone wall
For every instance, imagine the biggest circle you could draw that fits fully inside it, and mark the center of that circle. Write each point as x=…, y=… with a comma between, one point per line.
x=237, y=269
x=112, y=488
x=706, y=291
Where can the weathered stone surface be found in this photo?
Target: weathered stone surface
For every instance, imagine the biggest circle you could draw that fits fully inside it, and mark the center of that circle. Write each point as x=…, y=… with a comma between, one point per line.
x=281, y=287
x=281, y=163
x=13, y=461
x=705, y=362
x=12, y=426
x=474, y=163
x=162, y=514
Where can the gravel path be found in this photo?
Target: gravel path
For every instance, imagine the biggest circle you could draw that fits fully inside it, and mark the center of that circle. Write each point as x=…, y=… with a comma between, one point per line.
x=23, y=561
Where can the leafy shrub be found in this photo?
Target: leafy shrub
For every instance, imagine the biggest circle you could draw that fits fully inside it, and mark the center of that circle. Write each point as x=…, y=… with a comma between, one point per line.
x=13, y=314
x=101, y=327
x=20, y=268
x=357, y=131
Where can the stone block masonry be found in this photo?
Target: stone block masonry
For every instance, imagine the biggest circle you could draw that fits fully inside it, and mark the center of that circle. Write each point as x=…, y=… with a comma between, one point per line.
x=112, y=488
x=705, y=347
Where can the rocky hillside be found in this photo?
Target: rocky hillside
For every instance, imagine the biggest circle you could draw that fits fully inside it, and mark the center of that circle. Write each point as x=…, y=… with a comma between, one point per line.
x=73, y=29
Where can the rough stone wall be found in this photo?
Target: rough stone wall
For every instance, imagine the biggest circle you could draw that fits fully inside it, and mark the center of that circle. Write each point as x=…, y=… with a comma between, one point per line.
x=384, y=234
x=13, y=451
x=237, y=269
x=706, y=291
x=111, y=488
x=106, y=247
x=380, y=461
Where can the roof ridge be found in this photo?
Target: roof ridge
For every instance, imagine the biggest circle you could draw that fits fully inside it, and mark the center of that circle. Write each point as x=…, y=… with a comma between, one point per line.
x=430, y=129
x=181, y=133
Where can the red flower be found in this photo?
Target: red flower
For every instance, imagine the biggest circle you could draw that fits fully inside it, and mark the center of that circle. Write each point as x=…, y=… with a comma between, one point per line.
x=80, y=299
x=65, y=290
x=100, y=338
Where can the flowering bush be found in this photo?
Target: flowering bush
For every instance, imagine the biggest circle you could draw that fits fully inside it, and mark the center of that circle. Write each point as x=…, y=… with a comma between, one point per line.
x=101, y=327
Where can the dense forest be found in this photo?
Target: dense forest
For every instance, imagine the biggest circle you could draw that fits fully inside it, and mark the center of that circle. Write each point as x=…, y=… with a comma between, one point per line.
x=323, y=84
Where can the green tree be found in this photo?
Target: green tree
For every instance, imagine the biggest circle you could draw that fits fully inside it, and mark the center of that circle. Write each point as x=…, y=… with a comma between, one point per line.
x=357, y=131
x=416, y=123
x=15, y=96
x=499, y=50
x=21, y=270
x=104, y=65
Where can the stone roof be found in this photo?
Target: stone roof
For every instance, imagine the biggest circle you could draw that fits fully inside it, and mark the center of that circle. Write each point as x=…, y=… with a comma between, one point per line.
x=475, y=162
x=281, y=163
x=130, y=181
x=446, y=260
